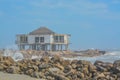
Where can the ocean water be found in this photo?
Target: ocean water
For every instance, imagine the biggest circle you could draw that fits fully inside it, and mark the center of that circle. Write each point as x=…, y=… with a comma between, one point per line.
x=108, y=57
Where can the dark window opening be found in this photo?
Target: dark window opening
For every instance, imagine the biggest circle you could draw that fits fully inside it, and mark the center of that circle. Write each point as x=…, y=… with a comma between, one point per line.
x=23, y=39
x=59, y=39
x=41, y=39
x=37, y=39
x=56, y=39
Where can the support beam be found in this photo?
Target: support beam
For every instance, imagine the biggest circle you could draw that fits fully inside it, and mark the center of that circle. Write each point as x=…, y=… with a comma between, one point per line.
x=66, y=47
x=58, y=47
x=61, y=47
x=50, y=47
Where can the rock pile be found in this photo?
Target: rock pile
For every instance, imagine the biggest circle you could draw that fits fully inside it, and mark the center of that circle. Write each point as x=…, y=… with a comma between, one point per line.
x=90, y=53
x=56, y=68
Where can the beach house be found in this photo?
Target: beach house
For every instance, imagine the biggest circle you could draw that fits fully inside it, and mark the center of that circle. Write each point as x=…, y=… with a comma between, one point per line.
x=43, y=39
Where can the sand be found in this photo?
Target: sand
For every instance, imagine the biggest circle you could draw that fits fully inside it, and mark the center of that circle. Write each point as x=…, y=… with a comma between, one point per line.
x=6, y=76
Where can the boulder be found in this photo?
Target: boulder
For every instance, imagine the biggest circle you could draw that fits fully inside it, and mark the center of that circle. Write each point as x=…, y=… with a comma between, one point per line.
x=57, y=59
x=35, y=74
x=13, y=70
x=116, y=66
x=83, y=62
x=8, y=58
x=1, y=58
x=45, y=59
x=66, y=62
x=35, y=68
x=92, y=68
x=59, y=66
x=58, y=76
x=29, y=71
x=101, y=69
x=67, y=69
x=43, y=66
x=3, y=67
x=98, y=63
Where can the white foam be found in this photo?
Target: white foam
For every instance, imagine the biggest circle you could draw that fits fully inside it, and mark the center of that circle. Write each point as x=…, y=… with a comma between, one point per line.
x=15, y=55
x=113, y=53
x=109, y=57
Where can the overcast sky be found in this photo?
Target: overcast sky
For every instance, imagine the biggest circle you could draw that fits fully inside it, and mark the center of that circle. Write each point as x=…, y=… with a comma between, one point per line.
x=91, y=23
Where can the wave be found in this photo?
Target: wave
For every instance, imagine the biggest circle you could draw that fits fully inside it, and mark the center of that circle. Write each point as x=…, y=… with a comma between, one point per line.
x=113, y=53
x=15, y=55
x=108, y=57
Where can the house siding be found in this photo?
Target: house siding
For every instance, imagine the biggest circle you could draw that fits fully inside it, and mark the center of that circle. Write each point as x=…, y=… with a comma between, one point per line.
x=31, y=38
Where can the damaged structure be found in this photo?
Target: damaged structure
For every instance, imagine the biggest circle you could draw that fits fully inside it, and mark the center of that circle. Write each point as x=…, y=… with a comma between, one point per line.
x=43, y=39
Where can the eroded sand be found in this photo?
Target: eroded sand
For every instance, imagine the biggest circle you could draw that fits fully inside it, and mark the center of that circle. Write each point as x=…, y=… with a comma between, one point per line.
x=6, y=76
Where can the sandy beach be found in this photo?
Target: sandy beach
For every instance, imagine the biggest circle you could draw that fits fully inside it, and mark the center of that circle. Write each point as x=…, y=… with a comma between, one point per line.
x=7, y=76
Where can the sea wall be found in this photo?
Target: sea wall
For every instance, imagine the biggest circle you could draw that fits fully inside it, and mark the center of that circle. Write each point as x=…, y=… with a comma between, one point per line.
x=56, y=68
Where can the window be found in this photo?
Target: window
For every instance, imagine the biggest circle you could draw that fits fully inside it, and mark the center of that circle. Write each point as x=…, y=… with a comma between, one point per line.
x=23, y=39
x=37, y=39
x=41, y=39
x=56, y=39
x=61, y=38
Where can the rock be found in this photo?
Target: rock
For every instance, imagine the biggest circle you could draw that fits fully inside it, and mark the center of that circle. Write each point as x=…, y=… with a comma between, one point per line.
x=35, y=74
x=41, y=75
x=43, y=66
x=29, y=71
x=35, y=68
x=57, y=59
x=67, y=69
x=106, y=73
x=73, y=66
x=13, y=70
x=103, y=66
x=101, y=75
x=55, y=70
x=80, y=75
x=116, y=66
x=70, y=73
x=116, y=63
x=98, y=63
x=101, y=69
x=59, y=66
x=85, y=70
x=49, y=78
x=2, y=67
x=45, y=59
x=91, y=68
x=83, y=62
x=114, y=76
x=58, y=76
x=10, y=59
x=66, y=62
x=118, y=75
x=1, y=58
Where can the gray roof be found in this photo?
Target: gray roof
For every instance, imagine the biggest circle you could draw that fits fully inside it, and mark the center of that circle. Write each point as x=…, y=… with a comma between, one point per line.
x=41, y=30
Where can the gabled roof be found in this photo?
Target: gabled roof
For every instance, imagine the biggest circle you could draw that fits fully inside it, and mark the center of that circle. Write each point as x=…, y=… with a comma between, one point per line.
x=41, y=30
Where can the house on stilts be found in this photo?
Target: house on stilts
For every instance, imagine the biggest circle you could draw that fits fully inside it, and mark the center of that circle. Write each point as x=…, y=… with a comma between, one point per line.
x=43, y=39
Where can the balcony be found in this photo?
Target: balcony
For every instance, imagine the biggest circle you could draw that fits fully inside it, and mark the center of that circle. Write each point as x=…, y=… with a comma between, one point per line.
x=17, y=42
